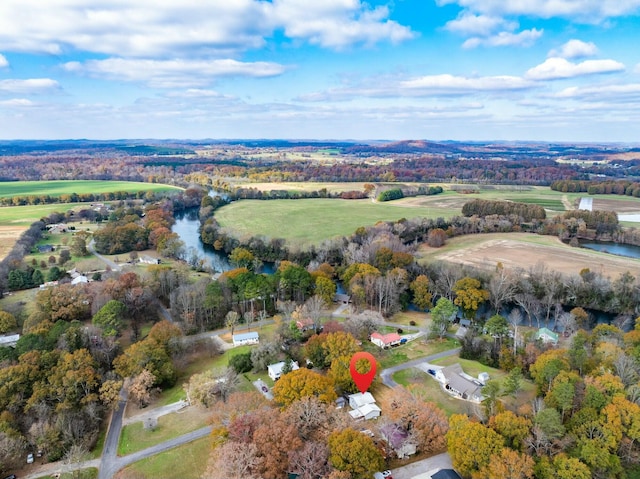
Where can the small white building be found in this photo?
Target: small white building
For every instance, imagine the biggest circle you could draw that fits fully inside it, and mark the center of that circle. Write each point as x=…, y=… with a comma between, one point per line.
x=275, y=370
x=9, y=340
x=241, y=339
x=81, y=279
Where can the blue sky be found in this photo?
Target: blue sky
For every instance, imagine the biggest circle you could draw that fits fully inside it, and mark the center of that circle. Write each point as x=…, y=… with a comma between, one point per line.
x=543, y=70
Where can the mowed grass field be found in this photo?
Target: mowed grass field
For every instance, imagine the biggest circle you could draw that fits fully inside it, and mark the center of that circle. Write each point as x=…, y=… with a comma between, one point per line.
x=310, y=221
x=61, y=187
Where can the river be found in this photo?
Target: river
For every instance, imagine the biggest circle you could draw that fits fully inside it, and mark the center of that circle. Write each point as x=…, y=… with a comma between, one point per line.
x=187, y=226
x=618, y=249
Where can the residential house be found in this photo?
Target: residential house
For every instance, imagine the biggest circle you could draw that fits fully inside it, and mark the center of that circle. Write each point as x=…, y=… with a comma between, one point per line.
x=241, y=339
x=81, y=279
x=398, y=439
x=46, y=248
x=385, y=340
x=275, y=370
x=305, y=324
x=149, y=259
x=360, y=399
x=457, y=383
x=341, y=298
x=547, y=336
x=366, y=412
x=363, y=406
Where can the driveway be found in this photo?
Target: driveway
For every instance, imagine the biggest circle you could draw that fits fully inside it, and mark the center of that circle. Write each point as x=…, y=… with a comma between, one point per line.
x=264, y=389
x=386, y=374
x=423, y=469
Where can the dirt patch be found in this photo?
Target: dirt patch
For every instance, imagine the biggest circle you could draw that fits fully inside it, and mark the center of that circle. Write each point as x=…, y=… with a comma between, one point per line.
x=519, y=254
x=8, y=236
x=619, y=206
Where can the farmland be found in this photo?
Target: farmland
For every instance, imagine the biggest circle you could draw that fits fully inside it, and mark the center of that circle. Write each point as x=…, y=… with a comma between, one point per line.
x=58, y=188
x=310, y=221
x=522, y=250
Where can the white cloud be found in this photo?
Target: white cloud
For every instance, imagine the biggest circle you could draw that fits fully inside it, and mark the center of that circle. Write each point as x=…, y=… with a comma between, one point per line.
x=610, y=93
x=32, y=86
x=524, y=38
x=479, y=25
x=575, y=49
x=557, y=68
x=338, y=23
x=190, y=28
x=17, y=102
x=582, y=10
x=173, y=73
x=459, y=85
x=3, y=61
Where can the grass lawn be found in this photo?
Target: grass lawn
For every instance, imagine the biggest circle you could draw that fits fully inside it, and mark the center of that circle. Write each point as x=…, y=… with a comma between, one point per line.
x=290, y=219
x=429, y=389
x=61, y=187
x=135, y=438
x=411, y=350
x=185, y=462
x=89, y=473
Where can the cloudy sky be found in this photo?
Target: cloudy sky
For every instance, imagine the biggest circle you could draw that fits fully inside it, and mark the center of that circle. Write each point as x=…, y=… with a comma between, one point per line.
x=554, y=70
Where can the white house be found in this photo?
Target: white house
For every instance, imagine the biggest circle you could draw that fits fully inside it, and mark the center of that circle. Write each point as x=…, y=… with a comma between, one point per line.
x=246, y=338
x=358, y=400
x=366, y=412
x=547, y=336
x=149, y=259
x=385, y=340
x=457, y=383
x=275, y=370
x=82, y=279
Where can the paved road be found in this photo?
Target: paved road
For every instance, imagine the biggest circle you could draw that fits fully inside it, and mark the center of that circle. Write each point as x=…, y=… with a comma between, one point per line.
x=386, y=374
x=108, y=466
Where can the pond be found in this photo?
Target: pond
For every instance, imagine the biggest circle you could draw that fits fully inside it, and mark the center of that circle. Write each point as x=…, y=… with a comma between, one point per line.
x=618, y=249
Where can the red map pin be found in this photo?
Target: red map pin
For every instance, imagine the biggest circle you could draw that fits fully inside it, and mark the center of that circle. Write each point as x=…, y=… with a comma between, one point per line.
x=363, y=380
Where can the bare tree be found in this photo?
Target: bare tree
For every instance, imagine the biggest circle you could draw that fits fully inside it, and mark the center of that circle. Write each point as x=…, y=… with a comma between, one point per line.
x=626, y=369
x=310, y=462
x=313, y=307
x=231, y=320
x=502, y=288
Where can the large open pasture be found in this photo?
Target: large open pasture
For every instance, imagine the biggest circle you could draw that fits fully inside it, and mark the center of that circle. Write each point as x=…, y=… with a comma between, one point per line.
x=524, y=250
x=310, y=221
x=61, y=187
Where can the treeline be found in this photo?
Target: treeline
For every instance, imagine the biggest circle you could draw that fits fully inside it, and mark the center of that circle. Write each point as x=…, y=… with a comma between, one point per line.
x=481, y=207
x=390, y=195
x=78, y=198
x=619, y=187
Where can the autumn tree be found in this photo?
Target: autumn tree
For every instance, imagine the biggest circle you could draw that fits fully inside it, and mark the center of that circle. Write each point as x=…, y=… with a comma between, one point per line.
x=421, y=294
x=469, y=295
x=140, y=388
x=7, y=322
x=354, y=452
x=471, y=445
x=301, y=383
x=508, y=464
x=424, y=422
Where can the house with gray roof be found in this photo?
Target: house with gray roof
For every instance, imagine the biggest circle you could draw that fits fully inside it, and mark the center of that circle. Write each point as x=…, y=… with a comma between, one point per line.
x=459, y=384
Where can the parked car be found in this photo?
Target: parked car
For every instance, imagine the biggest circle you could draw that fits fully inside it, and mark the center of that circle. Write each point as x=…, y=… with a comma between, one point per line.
x=30, y=458
x=387, y=474
x=12, y=476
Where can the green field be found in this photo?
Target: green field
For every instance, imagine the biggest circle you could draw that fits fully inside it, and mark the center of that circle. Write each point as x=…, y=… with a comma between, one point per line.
x=310, y=221
x=26, y=215
x=61, y=187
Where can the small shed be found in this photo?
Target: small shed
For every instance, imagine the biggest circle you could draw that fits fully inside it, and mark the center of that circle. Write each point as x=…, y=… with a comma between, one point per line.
x=275, y=370
x=246, y=338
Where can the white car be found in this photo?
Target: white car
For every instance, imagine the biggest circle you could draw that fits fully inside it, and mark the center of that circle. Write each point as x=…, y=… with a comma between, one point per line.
x=30, y=458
